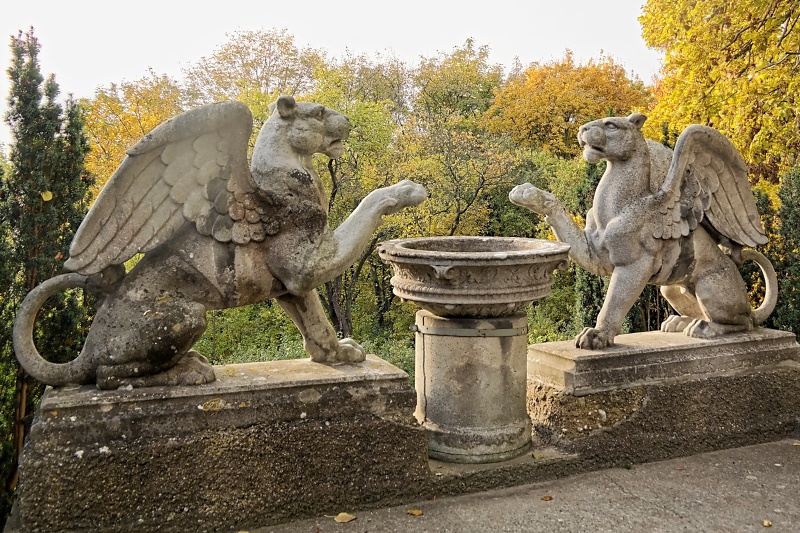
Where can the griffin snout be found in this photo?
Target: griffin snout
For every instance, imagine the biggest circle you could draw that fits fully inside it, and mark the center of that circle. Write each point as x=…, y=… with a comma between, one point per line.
x=593, y=141
x=338, y=129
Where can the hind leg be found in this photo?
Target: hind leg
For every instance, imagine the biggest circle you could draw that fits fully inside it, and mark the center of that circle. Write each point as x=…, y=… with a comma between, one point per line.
x=685, y=303
x=722, y=296
x=154, y=346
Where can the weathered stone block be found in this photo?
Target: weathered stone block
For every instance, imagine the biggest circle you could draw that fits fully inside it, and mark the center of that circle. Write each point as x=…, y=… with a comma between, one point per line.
x=660, y=395
x=266, y=442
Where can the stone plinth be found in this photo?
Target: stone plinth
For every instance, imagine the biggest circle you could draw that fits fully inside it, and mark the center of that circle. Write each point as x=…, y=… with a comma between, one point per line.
x=658, y=395
x=470, y=380
x=266, y=442
x=641, y=358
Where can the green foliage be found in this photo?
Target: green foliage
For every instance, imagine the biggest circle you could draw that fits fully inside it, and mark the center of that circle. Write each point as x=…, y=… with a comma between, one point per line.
x=259, y=332
x=589, y=288
x=43, y=198
x=551, y=319
x=787, y=312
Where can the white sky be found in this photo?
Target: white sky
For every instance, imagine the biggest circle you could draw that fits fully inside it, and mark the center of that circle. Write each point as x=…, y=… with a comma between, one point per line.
x=89, y=43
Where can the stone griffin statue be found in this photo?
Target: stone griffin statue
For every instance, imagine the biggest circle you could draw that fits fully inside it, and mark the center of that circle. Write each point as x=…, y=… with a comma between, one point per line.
x=677, y=220
x=214, y=235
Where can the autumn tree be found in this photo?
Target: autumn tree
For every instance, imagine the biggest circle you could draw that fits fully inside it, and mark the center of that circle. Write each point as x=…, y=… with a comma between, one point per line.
x=254, y=67
x=369, y=93
x=120, y=114
x=42, y=201
x=733, y=66
x=445, y=145
x=544, y=105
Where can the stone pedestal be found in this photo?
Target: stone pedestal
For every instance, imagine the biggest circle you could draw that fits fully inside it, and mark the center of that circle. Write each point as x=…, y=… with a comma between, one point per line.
x=471, y=381
x=265, y=443
x=658, y=395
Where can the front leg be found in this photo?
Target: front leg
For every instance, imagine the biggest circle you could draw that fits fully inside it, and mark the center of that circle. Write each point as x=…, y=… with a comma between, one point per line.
x=627, y=283
x=303, y=265
x=319, y=337
x=563, y=225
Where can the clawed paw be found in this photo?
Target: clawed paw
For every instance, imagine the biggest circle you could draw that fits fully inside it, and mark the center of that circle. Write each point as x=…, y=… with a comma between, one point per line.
x=533, y=198
x=593, y=339
x=401, y=195
x=701, y=329
x=676, y=323
x=349, y=351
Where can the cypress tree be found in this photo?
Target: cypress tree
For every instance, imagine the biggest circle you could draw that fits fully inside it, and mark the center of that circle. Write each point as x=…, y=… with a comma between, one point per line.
x=787, y=312
x=43, y=198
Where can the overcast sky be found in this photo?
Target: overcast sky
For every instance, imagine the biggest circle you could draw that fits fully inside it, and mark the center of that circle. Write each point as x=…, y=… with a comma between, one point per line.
x=88, y=43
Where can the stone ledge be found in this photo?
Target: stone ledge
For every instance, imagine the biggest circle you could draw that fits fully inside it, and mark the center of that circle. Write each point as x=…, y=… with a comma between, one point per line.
x=641, y=358
x=671, y=418
x=266, y=443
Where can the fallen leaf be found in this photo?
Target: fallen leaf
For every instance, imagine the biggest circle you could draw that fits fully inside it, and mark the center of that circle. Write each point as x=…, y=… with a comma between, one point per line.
x=537, y=455
x=47, y=196
x=344, y=517
x=680, y=468
x=547, y=498
x=796, y=443
x=767, y=523
x=415, y=512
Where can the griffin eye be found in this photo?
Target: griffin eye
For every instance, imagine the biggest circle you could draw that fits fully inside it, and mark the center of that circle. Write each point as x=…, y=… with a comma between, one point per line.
x=318, y=112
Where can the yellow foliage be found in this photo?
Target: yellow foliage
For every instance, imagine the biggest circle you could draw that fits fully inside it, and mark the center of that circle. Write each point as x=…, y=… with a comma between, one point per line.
x=733, y=66
x=121, y=114
x=543, y=106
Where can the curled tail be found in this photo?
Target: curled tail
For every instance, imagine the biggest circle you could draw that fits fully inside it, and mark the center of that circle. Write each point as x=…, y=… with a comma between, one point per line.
x=761, y=314
x=80, y=370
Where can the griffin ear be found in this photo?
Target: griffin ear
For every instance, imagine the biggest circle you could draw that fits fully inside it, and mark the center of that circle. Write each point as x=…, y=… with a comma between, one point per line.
x=637, y=119
x=286, y=106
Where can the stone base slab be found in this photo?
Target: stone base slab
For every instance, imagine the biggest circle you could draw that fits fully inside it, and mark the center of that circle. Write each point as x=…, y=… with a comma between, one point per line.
x=660, y=395
x=641, y=358
x=267, y=442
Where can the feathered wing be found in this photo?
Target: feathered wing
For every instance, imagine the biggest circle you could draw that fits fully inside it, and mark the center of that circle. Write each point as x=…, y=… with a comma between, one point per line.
x=708, y=179
x=191, y=168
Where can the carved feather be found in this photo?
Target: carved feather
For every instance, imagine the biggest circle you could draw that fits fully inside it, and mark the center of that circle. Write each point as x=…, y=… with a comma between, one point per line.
x=709, y=177
x=188, y=169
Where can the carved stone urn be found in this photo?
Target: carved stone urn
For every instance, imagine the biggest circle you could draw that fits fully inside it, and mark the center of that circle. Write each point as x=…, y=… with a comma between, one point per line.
x=473, y=277
x=472, y=337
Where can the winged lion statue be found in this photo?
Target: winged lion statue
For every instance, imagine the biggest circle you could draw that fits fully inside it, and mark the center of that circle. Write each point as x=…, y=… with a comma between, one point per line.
x=679, y=220
x=215, y=234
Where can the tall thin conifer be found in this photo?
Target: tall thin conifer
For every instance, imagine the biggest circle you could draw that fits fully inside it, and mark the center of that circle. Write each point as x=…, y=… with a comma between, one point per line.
x=43, y=197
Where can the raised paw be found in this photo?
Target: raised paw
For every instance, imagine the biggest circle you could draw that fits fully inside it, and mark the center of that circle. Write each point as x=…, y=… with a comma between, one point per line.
x=401, y=195
x=533, y=198
x=676, y=323
x=593, y=339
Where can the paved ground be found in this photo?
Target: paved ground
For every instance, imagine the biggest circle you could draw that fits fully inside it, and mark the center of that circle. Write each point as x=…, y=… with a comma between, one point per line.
x=755, y=488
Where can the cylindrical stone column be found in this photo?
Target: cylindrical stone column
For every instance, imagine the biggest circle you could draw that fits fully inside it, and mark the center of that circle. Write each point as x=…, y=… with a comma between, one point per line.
x=471, y=385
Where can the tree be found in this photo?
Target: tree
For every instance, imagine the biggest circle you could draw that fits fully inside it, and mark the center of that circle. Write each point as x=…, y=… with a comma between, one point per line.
x=787, y=312
x=121, y=114
x=366, y=93
x=445, y=145
x=254, y=67
x=733, y=66
x=543, y=106
x=42, y=201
